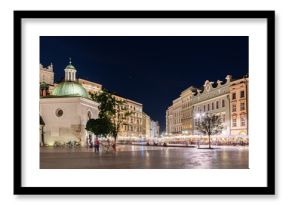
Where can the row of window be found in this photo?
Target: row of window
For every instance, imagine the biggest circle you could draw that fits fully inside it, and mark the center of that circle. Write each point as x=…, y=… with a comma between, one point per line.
x=138, y=121
x=130, y=107
x=177, y=121
x=186, y=104
x=177, y=114
x=242, y=121
x=177, y=129
x=242, y=95
x=131, y=128
x=187, y=115
x=212, y=106
x=242, y=107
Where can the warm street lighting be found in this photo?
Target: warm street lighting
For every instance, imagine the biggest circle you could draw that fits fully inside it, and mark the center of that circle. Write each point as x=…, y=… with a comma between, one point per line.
x=199, y=115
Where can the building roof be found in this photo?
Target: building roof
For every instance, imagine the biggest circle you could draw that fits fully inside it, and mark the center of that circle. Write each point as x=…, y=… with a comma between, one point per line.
x=70, y=89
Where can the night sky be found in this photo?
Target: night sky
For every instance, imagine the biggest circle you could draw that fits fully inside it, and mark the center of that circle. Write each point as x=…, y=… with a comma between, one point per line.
x=150, y=70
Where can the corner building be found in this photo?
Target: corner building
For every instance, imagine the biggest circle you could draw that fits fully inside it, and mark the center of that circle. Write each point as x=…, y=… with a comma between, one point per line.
x=239, y=107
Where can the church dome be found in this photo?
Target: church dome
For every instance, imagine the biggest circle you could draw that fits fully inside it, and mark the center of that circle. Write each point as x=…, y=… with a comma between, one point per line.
x=70, y=66
x=70, y=89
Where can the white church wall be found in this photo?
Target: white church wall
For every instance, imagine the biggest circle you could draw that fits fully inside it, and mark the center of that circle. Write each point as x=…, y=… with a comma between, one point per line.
x=70, y=126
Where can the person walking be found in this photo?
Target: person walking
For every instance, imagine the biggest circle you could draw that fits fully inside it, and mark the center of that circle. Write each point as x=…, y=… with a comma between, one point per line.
x=97, y=144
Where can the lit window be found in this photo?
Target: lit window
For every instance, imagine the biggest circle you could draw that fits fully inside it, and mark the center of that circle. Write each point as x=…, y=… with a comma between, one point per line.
x=233, y=96
x=243, y=121
x=234, y=122
x=242, y=106
x=234, y=109
x=242, y=94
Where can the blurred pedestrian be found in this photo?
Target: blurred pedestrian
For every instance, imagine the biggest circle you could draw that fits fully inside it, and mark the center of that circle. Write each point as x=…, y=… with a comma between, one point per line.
x=97, y=144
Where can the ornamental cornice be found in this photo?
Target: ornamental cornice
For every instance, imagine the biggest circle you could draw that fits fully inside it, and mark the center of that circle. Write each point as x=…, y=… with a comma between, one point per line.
x=210, y=91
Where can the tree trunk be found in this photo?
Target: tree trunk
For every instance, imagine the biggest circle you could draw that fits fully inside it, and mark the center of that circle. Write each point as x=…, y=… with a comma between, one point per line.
x=209, y=144
x=115, y=143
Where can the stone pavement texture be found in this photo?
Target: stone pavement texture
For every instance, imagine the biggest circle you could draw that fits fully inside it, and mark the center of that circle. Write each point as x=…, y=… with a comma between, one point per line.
x=145, y=157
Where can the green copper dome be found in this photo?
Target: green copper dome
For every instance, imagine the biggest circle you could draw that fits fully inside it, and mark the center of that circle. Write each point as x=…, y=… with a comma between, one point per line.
x=70, y=89
x=70, y=66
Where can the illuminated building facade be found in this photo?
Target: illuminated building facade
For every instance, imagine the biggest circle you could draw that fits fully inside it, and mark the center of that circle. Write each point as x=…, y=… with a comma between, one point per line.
x=155, y=129
x=46, y=79
x=176, y=111
x=132, y=127
x=90, y=87
x=146, y=125
x=213, y=98
x=169, y=120
x=239, y=107
x=226, y=99
x=186, y=110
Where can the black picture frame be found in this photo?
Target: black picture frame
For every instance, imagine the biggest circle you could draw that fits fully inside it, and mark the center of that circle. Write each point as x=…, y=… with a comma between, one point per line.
x=268, y=190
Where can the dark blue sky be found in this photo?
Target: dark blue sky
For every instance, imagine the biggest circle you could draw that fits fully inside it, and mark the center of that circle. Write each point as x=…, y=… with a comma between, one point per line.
x=150, y=70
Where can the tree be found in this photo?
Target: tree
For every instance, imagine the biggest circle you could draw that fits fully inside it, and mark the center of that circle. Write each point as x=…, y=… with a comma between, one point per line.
x=112, y=115
x=100, y=126
x=210, y=124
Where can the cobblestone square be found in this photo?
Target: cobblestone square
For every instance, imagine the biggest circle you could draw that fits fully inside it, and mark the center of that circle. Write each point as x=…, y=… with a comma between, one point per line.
x=146, y=157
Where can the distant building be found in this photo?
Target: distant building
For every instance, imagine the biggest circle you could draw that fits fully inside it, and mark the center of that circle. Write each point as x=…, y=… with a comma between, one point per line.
x=186, y=110
x=226, y=99
x=46, y=74
x=176, y=111
x=169, y=120
x=146, y=125
x=90, y=87
x=155, y=129
x=132, y=127
x=46, y=80
x=133, y=124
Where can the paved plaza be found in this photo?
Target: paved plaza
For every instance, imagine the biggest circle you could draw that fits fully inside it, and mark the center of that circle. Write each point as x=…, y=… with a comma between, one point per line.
x=145, y=157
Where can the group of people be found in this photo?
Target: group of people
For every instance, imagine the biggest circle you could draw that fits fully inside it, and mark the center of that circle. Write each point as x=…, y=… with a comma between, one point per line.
x=96, y=144
x=90, y=143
